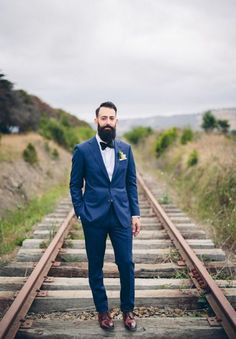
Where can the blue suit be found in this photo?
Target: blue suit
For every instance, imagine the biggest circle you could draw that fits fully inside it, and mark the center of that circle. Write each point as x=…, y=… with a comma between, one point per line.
x=105, y=208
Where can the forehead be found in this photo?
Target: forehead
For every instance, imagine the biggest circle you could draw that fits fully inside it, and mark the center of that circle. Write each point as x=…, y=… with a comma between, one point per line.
x=106, y=111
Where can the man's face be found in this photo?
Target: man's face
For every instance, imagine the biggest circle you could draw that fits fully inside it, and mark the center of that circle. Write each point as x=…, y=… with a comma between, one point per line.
x=106, y=123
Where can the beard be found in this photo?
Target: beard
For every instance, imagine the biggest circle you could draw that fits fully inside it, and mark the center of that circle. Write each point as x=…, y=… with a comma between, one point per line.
x=107, y=135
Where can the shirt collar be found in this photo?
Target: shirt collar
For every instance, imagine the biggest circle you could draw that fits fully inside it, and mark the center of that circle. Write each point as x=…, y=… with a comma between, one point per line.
x=98, y=141
x=98, y=138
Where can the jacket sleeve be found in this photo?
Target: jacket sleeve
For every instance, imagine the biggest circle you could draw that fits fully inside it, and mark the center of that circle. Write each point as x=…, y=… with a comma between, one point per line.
x=77, y=180
x=131, y=185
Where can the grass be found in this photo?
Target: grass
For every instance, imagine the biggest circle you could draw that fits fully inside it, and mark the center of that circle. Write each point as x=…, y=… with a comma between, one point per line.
x=12, y=146
x=165, y=199
x=181, y=274
x=17, y=225
x=212, y=199
x=207, y=190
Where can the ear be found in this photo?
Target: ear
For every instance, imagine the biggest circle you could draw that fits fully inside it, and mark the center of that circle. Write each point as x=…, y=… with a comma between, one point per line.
x=96, y=120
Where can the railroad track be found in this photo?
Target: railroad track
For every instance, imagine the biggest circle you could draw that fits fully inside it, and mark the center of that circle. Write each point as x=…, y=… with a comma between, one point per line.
x=175, y=294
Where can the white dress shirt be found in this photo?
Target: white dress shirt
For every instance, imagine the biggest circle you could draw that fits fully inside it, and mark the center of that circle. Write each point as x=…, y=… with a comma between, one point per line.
x=108, y=155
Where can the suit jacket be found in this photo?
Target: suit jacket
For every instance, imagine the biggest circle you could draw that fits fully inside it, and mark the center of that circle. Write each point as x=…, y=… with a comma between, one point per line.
x=93, y=204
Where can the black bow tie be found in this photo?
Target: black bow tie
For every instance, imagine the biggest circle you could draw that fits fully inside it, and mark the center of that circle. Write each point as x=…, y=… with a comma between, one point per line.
x=104, y=145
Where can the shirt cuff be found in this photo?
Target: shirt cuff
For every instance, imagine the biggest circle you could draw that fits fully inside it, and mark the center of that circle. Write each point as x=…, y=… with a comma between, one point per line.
x=135, y=216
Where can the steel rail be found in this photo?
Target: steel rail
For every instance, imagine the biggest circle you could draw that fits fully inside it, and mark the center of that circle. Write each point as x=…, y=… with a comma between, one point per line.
x=16, y=313
x=224, y=311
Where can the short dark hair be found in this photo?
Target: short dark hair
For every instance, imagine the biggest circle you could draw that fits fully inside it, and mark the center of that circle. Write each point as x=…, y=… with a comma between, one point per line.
x=108, y=104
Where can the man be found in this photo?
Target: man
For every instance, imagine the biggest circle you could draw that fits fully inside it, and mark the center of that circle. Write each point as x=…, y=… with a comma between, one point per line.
x=108, y=206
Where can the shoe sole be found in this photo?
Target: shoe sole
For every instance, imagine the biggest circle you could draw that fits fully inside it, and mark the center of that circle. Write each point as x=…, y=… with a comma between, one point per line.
x=131, y=329
x=108, y=328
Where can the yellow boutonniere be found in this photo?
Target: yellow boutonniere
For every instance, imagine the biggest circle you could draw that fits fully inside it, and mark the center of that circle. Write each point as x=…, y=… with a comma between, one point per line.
x=122, y=156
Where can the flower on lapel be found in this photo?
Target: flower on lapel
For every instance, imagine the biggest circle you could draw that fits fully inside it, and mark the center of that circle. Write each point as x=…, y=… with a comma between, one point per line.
x=122, y=156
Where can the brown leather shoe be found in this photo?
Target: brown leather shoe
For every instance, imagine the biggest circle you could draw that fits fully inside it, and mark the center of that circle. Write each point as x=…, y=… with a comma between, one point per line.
x=129, y=321
x=105, y=321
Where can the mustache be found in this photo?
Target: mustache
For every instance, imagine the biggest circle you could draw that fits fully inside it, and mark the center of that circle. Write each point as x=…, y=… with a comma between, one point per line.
x=107, y=126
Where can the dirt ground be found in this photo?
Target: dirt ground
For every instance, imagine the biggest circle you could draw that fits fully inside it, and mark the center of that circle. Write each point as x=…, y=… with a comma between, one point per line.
x=20, y=181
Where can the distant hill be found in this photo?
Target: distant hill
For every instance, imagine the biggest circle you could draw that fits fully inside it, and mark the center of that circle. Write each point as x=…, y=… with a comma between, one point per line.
x=179, y=120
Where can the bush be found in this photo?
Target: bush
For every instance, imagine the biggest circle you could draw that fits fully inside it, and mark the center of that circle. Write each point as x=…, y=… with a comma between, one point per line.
x=186, y=136
x=233, y=134
x=223, y=126
x=67, y=137
x=72, y=138
x=30, y=154
x=55, y=154
x=165, y=139
x=193, y=158
x=138, y=133
x=85, y=132
x=209, y=121
x=57, y=132
x=47, y=147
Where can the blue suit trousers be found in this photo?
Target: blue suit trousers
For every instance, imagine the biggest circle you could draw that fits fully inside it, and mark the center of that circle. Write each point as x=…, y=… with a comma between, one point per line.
x=95, y=241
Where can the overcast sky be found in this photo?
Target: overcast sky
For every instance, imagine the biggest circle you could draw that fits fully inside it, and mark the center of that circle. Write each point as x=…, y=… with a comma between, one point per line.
x=150, y=57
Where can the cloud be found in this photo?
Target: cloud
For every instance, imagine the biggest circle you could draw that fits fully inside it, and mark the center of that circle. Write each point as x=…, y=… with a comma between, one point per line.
x=149, y=57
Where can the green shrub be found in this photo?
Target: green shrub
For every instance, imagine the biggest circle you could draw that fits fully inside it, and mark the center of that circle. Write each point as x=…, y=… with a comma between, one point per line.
x=47, y=147
x=72, y=138
x=165, y=139
x=233, y=132
x=57, y=132
x=85, y=133
x=65, y=136
x=223, y=126
x=55, y=154
x=186, y=136
x=209, y=122
x=19, y=240
x=30, y=154
x=64, y=120
x=193, y=158
x=138, y=133
x=165, y=199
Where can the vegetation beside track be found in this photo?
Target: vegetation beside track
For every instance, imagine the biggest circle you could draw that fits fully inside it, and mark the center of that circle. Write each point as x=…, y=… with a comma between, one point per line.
x=17, y=225
x=201, y=174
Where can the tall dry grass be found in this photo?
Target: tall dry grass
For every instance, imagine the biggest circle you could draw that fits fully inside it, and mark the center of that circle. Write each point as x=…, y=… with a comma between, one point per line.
x=207, y=190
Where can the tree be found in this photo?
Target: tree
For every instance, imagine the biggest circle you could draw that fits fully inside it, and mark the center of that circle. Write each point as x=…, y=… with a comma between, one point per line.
x=25, y=115
x=223, y=126
x=209, y=121
x=7, y=102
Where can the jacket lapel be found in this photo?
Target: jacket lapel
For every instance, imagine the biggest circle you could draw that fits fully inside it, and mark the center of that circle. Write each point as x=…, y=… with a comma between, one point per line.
x=97, y=154
x=116, y=144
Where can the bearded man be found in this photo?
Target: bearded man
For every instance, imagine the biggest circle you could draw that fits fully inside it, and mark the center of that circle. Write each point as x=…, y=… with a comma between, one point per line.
x=108, y=205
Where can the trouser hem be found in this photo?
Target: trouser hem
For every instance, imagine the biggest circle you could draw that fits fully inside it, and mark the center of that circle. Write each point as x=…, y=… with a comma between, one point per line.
x=102, y=310
x=126, y=311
